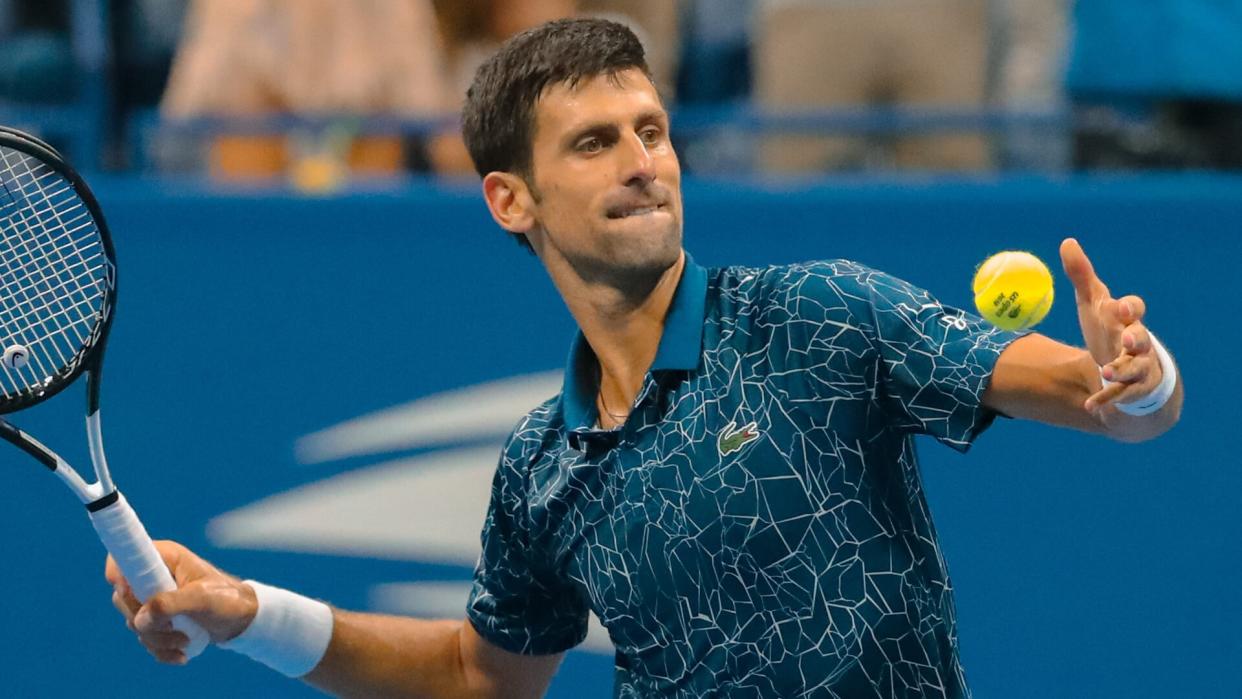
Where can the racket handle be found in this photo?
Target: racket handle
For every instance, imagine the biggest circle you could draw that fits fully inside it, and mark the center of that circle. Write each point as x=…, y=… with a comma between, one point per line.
x=125, y=538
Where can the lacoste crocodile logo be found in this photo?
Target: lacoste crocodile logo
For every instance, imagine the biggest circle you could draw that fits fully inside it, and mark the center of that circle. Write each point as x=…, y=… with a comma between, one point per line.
x=733, y=438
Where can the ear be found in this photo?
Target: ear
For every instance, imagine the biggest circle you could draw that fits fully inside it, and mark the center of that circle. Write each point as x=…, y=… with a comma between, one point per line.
x=509, y=199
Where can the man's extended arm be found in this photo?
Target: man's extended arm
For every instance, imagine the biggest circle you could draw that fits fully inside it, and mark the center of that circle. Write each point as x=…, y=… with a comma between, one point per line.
x=374, y=655
x=1038, y=378
x=368, y=655
x=1041, y=379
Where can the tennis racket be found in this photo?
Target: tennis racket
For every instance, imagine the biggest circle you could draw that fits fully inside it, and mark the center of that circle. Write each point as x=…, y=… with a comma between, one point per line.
x=57, y=301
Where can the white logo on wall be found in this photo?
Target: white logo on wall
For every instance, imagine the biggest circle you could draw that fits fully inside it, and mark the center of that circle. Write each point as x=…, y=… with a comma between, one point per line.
x=427, y=508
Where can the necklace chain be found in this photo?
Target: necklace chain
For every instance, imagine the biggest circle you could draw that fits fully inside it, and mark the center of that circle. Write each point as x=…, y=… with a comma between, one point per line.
x=604, y=404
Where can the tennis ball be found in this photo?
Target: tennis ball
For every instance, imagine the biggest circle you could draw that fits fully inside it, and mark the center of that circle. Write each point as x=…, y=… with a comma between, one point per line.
x=1013, y=290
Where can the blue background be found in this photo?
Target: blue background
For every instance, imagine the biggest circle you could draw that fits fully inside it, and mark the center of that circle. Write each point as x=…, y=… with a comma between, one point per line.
x=1083, y=567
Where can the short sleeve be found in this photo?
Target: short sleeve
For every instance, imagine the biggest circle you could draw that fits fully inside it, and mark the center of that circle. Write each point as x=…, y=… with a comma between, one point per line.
x=514, y=603
x=864, y=334
x=936, y=360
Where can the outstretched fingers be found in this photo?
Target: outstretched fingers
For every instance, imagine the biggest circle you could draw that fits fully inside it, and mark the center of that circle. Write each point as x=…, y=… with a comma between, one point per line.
x=1135, y=339
x=1104, y=396
x=1088, y=289
x=1133, y=308
x=1130, y=376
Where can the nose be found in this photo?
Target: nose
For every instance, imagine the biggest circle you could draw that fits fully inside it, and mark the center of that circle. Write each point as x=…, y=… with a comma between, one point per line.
x=638, y=166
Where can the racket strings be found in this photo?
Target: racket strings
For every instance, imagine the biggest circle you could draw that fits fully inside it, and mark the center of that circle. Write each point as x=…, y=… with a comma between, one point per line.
x=46, y=326
x=33, y=215
x=21, y=258
x=51, y=295
x=51, y=301
x=16, y=293
x=54, y=274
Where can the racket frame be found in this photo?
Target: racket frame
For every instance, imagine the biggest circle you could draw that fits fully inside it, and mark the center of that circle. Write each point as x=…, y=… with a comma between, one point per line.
x=90, y=360
x=114, y=520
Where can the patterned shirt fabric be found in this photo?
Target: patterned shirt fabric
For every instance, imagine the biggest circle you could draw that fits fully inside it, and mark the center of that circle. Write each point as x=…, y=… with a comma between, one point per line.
x=757, y=527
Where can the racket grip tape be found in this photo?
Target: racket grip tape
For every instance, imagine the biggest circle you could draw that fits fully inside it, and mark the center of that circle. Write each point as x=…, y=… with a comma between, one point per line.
x=127, y=540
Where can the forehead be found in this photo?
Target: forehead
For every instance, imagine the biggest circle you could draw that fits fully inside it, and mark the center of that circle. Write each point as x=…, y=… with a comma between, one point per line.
x=600, y=98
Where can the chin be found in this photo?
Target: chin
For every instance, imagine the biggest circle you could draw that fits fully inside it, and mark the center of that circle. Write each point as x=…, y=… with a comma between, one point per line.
x=629, y=255
x=653, y=252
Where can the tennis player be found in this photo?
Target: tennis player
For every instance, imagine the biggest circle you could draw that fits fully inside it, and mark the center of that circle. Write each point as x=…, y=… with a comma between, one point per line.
x=728, y=478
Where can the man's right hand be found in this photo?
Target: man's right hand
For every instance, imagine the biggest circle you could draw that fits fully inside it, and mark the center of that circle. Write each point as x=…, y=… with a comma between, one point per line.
x=217, y=601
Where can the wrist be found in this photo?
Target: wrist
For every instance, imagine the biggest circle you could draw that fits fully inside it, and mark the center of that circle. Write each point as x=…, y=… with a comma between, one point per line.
x=1156, y=399
x=247, y=606
x=287, y=631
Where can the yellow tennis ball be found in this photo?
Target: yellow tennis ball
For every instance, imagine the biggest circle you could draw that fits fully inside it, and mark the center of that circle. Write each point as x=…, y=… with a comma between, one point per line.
x=1013, y=290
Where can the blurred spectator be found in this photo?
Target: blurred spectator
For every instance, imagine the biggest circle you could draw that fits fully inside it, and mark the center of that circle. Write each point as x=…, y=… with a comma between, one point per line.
x=1029, y=39
x=859, y=53
x=715, y=59
x=36, y=55
x=1158, y=83
x=409, y=58
x=475, y=28
x=252, y=58
x=145, y=34
x=656, y=22
x=715, y=71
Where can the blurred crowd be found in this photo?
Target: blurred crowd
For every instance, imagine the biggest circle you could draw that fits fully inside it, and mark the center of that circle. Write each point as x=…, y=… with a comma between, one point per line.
x=319, y=90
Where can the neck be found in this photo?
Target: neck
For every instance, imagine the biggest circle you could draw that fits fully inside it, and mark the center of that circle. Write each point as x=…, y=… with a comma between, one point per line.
x=623, y=327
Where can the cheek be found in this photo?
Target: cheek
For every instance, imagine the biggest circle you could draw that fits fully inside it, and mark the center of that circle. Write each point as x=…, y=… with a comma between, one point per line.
x=568, y=203
x=584, y=195
x=670, y=172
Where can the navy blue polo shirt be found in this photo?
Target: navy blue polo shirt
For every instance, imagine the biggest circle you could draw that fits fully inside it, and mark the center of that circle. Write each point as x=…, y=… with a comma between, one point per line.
x=757, y=527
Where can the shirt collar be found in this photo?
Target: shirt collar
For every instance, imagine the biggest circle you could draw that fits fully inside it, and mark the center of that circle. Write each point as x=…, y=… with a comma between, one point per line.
x=681, y=344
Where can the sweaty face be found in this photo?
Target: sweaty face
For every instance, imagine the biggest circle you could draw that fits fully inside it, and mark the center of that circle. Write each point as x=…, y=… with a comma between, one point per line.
x=606, y=180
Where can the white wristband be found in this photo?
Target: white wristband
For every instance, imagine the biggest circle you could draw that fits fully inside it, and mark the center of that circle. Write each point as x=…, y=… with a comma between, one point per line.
x=1155, y=400
x=290, y=633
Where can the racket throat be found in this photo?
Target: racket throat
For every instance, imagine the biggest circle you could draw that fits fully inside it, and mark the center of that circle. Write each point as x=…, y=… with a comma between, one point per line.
x=87, y=492
x=94, y=438
x=30, y=445
x=102, y=493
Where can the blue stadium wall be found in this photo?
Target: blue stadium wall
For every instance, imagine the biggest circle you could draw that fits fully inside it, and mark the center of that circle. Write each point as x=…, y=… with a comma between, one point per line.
x=248, y=321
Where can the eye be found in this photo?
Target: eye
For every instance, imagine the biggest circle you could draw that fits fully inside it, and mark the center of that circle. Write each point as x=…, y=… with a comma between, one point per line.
x=651, y=135
x=591, y=144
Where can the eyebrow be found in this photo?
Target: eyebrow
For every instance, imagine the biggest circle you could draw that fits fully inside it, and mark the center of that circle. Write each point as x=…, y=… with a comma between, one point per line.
x=653, y=115
x=606, y=128
x=600, y=129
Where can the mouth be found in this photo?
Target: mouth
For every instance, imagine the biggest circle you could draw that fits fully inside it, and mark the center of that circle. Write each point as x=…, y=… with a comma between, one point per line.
x=627, y=211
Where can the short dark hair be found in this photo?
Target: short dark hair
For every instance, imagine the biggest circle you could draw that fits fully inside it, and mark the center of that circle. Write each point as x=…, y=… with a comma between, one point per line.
x=498, y=120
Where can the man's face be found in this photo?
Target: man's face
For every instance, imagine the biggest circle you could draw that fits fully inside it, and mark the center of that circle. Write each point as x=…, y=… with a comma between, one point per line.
x=606, y=182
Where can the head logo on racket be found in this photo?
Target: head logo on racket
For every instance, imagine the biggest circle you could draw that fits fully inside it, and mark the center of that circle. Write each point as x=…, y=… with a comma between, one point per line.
x=15, y=357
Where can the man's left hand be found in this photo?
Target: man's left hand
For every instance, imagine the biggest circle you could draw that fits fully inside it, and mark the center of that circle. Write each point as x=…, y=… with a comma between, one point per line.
x=1114, y=333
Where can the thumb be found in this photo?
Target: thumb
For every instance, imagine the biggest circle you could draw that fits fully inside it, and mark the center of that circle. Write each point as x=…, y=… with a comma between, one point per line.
x=221, y=604
x=1088, y=289
x=157, y=612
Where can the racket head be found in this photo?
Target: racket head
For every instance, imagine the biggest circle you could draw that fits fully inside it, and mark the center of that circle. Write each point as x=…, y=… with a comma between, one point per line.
x=18, y=133
x=57, y=275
